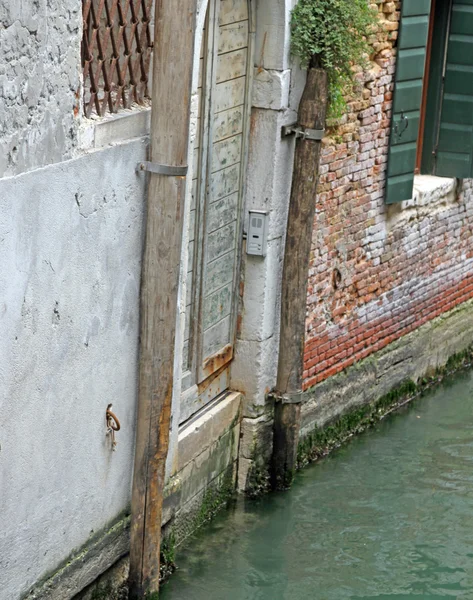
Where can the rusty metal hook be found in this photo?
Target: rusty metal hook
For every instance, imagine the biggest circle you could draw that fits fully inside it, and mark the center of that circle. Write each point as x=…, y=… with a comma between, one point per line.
x=113, y=425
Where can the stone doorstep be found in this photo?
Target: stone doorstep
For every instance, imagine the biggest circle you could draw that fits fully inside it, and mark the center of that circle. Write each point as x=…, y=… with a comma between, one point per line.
x=200, y=434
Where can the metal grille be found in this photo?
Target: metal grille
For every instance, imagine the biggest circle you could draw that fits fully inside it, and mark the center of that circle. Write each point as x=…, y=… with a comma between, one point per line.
x=116, y=53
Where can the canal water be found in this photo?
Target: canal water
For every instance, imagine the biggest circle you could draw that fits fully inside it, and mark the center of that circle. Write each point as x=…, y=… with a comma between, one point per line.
x=388, y=516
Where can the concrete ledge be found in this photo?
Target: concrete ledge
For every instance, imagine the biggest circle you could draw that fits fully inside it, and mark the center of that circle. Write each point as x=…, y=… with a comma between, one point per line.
x=101, y=132
x=415, y=355
x=202, y=432
x=84, y=567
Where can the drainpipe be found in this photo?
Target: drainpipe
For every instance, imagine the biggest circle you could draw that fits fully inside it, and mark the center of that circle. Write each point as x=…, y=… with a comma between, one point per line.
x=288, y=395
x=170, y=122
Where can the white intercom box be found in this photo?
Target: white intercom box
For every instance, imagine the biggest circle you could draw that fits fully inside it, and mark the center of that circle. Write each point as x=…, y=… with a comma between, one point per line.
x=257, y=233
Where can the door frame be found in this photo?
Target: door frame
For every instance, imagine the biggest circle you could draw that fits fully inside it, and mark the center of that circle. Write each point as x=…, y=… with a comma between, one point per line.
x=206, y=387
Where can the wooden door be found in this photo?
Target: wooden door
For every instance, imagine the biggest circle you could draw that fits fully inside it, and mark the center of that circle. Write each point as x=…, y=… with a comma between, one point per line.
x=215, y=239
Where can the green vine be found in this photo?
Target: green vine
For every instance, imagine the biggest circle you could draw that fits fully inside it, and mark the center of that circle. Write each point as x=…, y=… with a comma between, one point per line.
x=334, y=35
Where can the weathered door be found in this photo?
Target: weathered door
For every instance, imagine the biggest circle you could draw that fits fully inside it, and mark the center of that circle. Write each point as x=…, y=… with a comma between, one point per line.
x=215, y=236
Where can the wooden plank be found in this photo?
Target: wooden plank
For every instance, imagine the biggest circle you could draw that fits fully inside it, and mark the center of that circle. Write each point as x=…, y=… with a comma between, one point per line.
x=224, y=182
x=192, y=217
x=226, y=153
x=221, y=241
x=191, y=255
x=217, y=306
x=169, y=143
x=230, y=94
x=187, y=325
x=189, y=287
x=222, y=212
x=216, y=337
x=196, y=159
x=201, y=73
x=312, y=113
x=233, y=37
x=185, y=355
x=219, y=272
x=228, y=123
x=194, y=193
x=232, y=11
x=231, y=65
x=196, y=397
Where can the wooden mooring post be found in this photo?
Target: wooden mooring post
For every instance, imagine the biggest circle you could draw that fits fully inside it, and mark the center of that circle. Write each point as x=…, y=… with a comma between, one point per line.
x=169, y=140
x=312, y=115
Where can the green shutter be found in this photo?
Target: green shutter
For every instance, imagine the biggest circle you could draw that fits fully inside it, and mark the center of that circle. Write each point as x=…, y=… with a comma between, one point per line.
x=454, y=152
x=413, y=35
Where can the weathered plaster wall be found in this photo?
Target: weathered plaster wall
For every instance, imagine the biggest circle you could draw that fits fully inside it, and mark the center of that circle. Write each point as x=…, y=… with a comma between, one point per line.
x=379, y=272
x=70, y=250
x=40, y=71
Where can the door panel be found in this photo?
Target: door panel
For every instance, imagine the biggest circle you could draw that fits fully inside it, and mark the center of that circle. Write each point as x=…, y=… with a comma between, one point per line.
x=215, y=239
x=223, y=210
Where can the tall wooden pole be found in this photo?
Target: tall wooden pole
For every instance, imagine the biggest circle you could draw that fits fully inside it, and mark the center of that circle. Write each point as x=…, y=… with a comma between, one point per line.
x=170, y=120
x=312, y=114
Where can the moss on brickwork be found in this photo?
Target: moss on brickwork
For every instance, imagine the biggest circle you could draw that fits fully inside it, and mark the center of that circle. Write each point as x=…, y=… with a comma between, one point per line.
x=320, y=442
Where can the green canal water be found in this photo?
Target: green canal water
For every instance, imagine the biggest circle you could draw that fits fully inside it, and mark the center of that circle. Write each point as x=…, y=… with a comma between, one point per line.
x=388, y=516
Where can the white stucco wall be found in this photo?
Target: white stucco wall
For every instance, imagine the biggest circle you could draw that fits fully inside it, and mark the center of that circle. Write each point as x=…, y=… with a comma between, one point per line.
x=70, y=253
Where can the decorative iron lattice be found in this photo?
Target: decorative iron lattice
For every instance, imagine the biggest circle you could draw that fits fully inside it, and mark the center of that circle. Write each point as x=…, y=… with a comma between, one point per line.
x=116, y=53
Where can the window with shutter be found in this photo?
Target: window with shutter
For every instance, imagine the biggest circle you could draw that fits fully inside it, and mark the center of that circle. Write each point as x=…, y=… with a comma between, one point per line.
x=452, y=143
x=445, y=143
x=413, y=36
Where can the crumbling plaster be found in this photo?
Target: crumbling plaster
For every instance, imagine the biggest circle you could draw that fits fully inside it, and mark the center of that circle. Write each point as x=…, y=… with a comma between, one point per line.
x=40, y=82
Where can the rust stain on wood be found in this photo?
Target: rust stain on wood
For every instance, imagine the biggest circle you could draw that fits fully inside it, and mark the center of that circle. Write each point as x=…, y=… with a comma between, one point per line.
x=218, y=360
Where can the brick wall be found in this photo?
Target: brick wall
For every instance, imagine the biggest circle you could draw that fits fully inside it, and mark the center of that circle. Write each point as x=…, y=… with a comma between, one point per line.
x=377, y=272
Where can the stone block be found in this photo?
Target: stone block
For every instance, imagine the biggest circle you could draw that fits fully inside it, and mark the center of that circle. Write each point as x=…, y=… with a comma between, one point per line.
x=271, y=89
x=208, y=428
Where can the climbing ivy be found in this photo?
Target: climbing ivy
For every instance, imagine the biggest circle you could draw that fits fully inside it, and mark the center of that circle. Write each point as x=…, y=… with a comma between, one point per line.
x=333, y=35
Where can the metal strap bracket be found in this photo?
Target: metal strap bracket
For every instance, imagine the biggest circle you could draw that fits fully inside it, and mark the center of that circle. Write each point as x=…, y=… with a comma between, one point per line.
x=289, y=398
x=169, y=170
x=304, y=133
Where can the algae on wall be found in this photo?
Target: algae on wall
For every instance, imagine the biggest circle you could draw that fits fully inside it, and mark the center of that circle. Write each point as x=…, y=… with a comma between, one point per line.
x=321, y=441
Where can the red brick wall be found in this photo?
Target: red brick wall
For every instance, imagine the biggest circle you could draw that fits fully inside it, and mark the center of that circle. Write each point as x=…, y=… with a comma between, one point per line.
x=378, y=272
